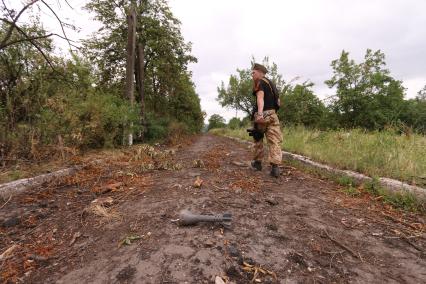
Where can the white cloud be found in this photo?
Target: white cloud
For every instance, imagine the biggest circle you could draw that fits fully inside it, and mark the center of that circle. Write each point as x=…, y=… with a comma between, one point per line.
x=302, y=37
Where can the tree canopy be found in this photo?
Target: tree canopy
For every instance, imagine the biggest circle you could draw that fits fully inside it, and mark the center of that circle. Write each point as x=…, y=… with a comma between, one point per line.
x=78, y=101
x=299, y=105
x=366, y=96
x=238, y=93
x=216, y=121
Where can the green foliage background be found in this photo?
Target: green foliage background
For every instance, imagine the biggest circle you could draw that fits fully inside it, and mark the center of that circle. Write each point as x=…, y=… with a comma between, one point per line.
x=216, y=121
x=366, y=97
x=80, y=103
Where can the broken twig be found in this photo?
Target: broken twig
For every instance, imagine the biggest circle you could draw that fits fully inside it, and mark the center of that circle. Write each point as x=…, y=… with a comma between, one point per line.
x=342, y=246
x=399, y=221
x=10, y=197
x=412, y=244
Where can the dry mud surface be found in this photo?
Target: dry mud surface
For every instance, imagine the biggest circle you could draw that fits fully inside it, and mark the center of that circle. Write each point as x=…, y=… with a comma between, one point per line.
x=294, y=229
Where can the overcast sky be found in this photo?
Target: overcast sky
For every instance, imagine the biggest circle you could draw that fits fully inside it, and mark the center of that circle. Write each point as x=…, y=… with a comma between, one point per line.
x=302, y=37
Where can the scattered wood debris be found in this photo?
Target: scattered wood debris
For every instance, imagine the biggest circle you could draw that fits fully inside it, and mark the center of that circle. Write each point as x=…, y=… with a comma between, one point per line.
x=198, y=182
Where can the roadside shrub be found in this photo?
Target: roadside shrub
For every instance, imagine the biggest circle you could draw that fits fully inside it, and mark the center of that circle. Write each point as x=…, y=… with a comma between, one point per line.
x=156, y=127
x=98, y=120
x=69, y=122
x=216, y=121
x=176, y=132
x=234, y=123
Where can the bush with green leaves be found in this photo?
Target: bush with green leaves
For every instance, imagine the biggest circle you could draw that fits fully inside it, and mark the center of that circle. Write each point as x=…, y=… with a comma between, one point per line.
x=78, y=102
x=41, y=107
x=156, y=126
x=97, y=120
x=300, y=106
x=165, y=128
x=367, y=97
x=234, y=123
x=216, y=121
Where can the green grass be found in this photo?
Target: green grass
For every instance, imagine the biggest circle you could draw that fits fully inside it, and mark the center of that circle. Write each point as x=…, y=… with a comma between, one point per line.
x=350, y=187
x=406, y=200
x=15, y=175
x=351, y=191
x=378, y=153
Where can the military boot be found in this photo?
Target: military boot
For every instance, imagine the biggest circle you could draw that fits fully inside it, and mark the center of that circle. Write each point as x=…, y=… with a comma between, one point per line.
x=257, y=165
x=275, y=171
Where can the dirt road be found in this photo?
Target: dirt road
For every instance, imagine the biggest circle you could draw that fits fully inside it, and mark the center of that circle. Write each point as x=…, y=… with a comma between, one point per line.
x=295, y=229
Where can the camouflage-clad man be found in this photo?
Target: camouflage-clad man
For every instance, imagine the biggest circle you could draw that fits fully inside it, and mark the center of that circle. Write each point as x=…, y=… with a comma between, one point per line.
x=266, y=120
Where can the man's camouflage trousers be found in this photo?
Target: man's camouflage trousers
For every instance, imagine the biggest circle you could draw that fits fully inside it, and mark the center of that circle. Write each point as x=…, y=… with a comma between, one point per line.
x=274, y=138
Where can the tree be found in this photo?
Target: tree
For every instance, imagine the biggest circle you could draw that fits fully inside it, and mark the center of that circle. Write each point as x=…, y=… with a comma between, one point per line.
x=46, y=99
x=238, y=94
x=216, y=121
x=185, y=106
x=165, y=54
x=13, y=26
x=130, y=62
x=42, y=106
x=420, y=120
x=367, y=95
x=414, y=114
x=299, y=105
x=421, y=95
x=234, y=123
x=22, y=75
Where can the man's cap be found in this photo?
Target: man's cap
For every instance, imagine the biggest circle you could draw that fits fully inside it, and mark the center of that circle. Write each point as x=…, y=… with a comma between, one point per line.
x=260, y=68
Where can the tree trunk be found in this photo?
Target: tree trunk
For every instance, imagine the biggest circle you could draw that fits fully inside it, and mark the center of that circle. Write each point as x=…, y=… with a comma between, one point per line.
x=131, y=42
x=140, y=77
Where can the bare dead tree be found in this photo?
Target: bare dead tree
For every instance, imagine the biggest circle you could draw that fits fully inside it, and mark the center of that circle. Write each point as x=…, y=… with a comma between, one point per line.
x=34, y=43
x=135, y=63
x=131, y=48
x=140, y=79
x=14, y=20
x=10, y=17
x=141, y=65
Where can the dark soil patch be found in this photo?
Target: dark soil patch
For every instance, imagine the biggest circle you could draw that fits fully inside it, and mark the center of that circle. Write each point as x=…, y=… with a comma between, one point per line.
x=277, y=235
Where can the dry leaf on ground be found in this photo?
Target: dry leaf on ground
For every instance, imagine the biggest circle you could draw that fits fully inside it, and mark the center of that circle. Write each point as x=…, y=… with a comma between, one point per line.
x=198, y=182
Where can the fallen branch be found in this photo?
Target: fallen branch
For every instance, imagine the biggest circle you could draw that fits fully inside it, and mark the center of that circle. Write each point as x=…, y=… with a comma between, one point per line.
x=239, y=164
x=10, y=197
x=412, y=244
x=8, y=252
x=218, y=187
x=400, y=221
x=342, y=246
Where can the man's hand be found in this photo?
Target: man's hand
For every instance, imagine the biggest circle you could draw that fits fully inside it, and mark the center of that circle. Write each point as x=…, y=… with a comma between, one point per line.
x=258, y=118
